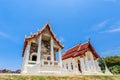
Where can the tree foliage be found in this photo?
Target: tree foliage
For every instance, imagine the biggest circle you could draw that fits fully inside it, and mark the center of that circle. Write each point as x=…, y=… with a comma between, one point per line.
x=115, y=69
x=112, y=62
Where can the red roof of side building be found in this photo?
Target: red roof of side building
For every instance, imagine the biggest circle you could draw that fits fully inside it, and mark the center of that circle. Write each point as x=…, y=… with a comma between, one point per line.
x=39, y=33
x=78, y=50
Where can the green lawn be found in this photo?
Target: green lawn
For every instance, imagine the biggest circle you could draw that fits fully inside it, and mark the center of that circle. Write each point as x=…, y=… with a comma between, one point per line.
x=59, y=77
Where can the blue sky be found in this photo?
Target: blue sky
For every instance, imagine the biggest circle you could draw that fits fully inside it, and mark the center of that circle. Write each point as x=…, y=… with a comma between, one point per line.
x=73, y=21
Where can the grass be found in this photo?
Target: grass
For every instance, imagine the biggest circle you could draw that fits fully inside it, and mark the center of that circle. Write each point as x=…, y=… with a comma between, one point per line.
x=59, y=77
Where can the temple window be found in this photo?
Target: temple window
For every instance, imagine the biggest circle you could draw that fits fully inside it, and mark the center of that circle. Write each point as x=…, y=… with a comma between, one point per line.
x=45, y=47
x=34, y=58
x=33, y=48
x=67, y=66
x=71, y=66
x=48, y=58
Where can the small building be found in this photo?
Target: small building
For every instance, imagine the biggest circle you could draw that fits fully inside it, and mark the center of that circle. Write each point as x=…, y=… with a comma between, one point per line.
x=81, y=59
x=39, y=52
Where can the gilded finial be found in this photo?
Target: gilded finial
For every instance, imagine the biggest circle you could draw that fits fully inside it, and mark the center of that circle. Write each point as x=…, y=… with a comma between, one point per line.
x=88, y=39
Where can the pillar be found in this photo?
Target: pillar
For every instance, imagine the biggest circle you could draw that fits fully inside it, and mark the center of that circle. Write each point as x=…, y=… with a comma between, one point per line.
x=65, y=65
x=52, y=51
x=39, y=49
x=76, y=67
x=86, y=62
x=93, y=62
x=82, y=65
x=97, y=66
x=73, y=63
x=60, y=58
x=25, y=59
x=69, y=66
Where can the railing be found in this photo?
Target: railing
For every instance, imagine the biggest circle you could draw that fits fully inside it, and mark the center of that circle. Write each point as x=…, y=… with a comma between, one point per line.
x=32, y=62
x=45, y=63
x=49, y=63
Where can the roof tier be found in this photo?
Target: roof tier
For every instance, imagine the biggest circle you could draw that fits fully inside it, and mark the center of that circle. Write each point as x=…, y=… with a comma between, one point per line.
x=39, y=33
x=79, y=50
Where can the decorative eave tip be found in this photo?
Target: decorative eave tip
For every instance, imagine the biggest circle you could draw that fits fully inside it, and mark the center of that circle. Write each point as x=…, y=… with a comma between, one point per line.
x=88, y=40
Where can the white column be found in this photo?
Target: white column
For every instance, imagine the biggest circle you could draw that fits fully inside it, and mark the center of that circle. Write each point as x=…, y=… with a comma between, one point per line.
x=82, y=65
x=93, y=62
x=52, y=51
x=73, y=63
x=69, y=66
x=64, y=65
x=25, y=59
x=86, y=62
x=76, y=67
x=86, y=67
x=60, y=58
x=97, y=65
x=42, y=62
x=39, y=50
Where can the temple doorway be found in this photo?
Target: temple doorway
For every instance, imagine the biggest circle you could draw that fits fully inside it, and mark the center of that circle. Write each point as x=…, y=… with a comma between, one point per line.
x=79, y=67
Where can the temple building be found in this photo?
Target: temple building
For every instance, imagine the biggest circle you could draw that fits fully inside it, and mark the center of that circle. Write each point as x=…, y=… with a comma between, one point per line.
x=40, y=52
x=81, y=59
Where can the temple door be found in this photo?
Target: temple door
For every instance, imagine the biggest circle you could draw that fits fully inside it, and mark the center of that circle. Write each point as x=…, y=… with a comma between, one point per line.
x=79, y=67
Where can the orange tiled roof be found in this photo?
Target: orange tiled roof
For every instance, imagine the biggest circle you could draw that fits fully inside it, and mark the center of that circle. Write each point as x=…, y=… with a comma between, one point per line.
x=78, y=50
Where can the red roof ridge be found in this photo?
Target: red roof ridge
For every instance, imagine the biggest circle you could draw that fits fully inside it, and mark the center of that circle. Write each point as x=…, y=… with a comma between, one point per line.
x=83, y=44
x=72, y=47
x=78, y=50
x=79, y=47
x=39, y=30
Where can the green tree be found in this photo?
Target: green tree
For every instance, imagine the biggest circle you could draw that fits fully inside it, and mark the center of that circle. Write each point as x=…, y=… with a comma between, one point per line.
x=112, y=62
x=4, y=70
x=115, y=69
x=101, y=64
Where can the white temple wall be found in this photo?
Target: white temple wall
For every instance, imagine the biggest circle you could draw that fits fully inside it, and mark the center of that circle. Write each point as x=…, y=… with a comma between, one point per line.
x=88, y=64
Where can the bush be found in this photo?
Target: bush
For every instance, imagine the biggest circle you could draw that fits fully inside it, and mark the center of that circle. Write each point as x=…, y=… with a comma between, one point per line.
x=112, y=62
x=115, y=69
x=103, y=71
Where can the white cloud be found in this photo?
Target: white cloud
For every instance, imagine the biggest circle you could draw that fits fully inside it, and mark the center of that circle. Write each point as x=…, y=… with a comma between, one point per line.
x=8, y=37
x=111, y=52
x=61, y=39
x=5, y=35
x=113, y=30
x=100, y=25
x=115, y=27
x=107, y=26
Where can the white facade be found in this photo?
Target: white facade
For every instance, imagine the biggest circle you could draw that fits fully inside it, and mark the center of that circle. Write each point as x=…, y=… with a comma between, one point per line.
x=85, y=64
x=39, y=55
